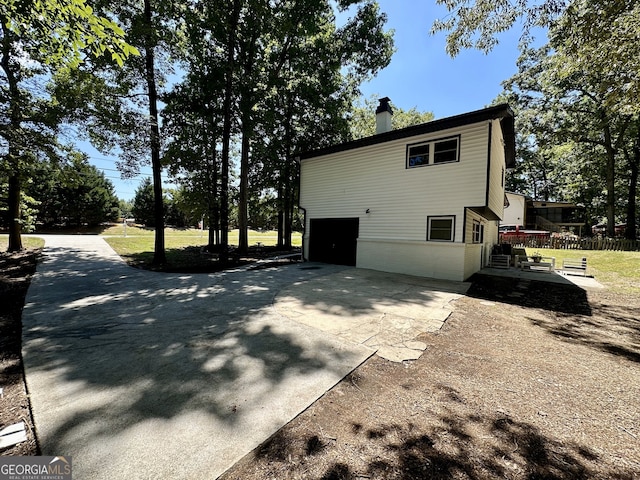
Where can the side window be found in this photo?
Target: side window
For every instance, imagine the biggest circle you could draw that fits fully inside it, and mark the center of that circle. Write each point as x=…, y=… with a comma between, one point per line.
x=433, y=152
x=441, y=229
x=417, y=155
x=445, y=150
x=478, y=232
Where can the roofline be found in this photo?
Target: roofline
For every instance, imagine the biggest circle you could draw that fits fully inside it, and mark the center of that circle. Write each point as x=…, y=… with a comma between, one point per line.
x=502, y=112
x=551, y=204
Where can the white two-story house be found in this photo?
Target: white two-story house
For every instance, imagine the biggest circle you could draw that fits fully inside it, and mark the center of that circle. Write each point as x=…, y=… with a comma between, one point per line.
x=424, y=200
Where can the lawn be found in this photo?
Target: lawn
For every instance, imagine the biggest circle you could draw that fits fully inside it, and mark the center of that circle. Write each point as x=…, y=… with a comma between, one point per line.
x=182, y=246
x=27, y=242
x=192, y=236
x=620, y=271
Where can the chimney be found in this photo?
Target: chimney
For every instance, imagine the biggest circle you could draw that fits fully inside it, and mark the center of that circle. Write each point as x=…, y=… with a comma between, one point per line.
x=383, y=116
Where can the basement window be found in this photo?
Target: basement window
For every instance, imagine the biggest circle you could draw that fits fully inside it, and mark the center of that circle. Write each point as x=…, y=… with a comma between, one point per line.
x=441, y=228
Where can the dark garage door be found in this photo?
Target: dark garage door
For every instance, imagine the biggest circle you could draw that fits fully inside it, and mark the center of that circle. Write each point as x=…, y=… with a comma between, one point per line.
x=334, y=240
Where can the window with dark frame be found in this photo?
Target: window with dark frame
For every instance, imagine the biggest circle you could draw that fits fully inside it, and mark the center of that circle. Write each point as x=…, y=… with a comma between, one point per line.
x=418, y=155
x=444, y=150
x=441, y=229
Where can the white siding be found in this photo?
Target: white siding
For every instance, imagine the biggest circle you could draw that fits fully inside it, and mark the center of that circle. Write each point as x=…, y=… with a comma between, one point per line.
x=346, y=184
x=497, y=169
x=515, y=212
x=473, y=256
x=490, y=237
x=475, y=253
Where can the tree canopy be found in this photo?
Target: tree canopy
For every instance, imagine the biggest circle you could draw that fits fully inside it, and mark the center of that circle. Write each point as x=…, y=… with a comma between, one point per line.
x=37, y=39
x=578, y=117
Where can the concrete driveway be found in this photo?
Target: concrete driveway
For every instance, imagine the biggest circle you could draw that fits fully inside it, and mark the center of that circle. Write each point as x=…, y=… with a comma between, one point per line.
x=142, y=375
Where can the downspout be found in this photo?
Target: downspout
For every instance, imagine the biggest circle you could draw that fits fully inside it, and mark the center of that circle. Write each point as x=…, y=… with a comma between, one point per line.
x=304, y=217
x=488, y=182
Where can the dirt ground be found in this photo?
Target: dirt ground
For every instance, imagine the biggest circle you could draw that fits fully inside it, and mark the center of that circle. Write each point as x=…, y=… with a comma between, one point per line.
x=526, y=380
x=16, y=271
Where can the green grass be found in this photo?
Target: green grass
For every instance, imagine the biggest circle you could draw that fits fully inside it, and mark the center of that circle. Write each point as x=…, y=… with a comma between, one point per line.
x=27, y=242
x=181, y=246
x=619, y=271
x=189, y=237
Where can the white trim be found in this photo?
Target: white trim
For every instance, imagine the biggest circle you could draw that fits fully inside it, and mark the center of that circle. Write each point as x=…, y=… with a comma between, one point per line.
x=442, y=217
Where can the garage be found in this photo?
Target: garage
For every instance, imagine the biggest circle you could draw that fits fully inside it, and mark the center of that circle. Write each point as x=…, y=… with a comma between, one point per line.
x=334, y=240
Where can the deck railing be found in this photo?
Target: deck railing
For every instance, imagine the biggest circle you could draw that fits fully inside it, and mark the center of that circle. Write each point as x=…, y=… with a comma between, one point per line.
x=532, y=241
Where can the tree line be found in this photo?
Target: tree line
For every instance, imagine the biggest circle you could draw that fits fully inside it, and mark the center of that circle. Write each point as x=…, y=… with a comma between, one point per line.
x=577, y=98
x=578, y=105
x=222, y=94
x=259, y=80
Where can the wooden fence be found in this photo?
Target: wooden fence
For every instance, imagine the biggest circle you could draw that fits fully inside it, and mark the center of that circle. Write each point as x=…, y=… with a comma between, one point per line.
x=619, y=244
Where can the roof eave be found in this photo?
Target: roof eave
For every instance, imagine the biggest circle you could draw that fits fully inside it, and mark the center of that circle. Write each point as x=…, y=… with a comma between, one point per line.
x=500, y=112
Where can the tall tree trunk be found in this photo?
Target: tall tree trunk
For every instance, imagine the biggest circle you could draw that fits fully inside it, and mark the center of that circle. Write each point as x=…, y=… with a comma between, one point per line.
x=610, y=176
x=226, y=131
x=246, y=106
x=15, y=237
x=211, y=174
x=280, y=203
x=243, y=201
x=288, y=217
x=286, y=174
x=159, y=256
x=13, y=154
x=288, y=201
x=634, y=166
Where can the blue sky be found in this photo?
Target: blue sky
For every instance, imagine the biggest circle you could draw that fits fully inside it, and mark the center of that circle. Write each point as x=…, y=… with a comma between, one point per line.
x=420, y=74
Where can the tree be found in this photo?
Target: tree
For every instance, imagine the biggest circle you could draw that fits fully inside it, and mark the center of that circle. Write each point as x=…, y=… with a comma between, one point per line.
x=180, y=211
x=363, y=123
x=589, y=74
x=72, y=193
x=62, y=32
x=125, y=207
x=119, y=106
x=275, y=66
x=38, y=38
x=476, y=23
x=144, y=204
x=193, y=122
x=301, y=31
x=598, y=35
x=567, y=107
x=84, y=194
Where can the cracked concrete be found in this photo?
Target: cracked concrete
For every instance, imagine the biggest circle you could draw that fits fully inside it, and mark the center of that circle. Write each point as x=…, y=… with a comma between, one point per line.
x=380, y=310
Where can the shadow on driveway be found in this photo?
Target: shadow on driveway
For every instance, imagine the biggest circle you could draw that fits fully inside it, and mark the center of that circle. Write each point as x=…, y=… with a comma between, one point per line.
x=145, y=375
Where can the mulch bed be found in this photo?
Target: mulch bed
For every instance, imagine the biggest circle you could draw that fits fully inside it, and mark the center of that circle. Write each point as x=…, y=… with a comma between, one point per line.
x=16, y=271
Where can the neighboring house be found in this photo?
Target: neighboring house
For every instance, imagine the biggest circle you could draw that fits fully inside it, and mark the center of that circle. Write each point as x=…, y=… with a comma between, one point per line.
x=556, y=216
x=515, y=210
x=424, y=200
x=535, y=215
